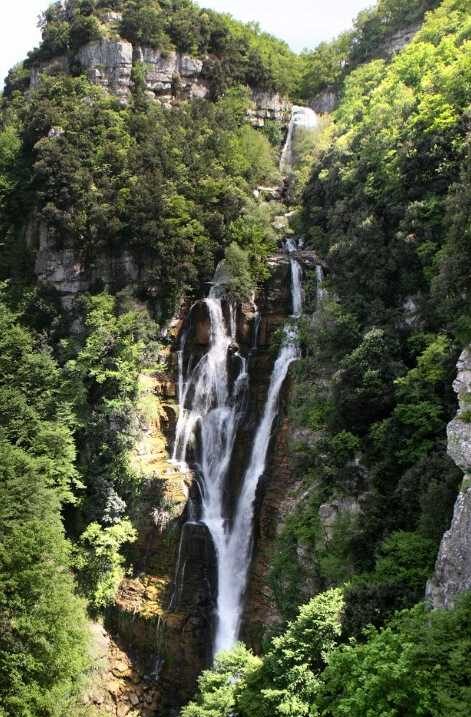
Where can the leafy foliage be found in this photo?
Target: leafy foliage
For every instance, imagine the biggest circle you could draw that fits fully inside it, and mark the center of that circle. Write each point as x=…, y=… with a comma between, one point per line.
x=418, y=665
x=43, y=637
x=99, y=561
x=235, y=53
x=327, y=66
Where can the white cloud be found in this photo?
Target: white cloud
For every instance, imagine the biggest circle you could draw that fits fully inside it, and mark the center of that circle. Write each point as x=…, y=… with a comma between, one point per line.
x=302, y=23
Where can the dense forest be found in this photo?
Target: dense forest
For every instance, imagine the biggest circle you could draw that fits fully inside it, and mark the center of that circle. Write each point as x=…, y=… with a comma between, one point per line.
x=381, y=193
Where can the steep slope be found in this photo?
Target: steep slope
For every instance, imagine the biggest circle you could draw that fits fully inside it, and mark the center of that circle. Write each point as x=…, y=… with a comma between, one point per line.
x=369, y=489
x=139, y=174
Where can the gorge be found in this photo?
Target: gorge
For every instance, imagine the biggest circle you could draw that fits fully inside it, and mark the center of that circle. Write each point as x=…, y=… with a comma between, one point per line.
x=235, y=375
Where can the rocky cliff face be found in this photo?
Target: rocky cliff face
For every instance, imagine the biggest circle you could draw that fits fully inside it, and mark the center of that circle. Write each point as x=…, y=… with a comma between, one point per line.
x=62, y=269
x=168, y=76
x=396, y=42
x=453, y=568
x=159, y=631
x=326, y=101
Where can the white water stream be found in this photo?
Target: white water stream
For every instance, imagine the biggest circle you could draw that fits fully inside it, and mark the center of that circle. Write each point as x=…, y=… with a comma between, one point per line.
x=209, y=401
x=235, y=559
x=212, y=406
x=302, y=118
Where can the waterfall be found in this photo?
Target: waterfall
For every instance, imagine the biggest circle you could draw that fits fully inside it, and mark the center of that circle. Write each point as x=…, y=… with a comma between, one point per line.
x=236, y=555
x=207, y=384
x=233, y=569
x=291, y=246
x=320, y=294
x=210, y=402
x=302, y=118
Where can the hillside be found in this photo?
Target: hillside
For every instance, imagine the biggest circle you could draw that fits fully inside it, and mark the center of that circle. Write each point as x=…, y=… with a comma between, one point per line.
x=235, y=351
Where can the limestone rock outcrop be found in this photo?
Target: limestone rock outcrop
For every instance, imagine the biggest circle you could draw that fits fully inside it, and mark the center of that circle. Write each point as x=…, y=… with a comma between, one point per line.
x=62, y=269
x=326, y=101
x=169, y=73
x=269, y=106
x=169, y=76
x=453, y=567
x=55, y=66
x=400, y=39
x=108, y=63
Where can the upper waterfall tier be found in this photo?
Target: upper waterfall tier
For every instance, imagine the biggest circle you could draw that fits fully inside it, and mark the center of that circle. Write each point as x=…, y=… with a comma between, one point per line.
x=302, y=119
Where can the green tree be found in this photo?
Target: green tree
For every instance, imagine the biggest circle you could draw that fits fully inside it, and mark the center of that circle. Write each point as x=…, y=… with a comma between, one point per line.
x=99, y=561
x=218, y=688
x=43, y=640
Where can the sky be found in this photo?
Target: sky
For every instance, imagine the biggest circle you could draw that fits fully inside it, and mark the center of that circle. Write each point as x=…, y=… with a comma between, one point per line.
x=302, y=23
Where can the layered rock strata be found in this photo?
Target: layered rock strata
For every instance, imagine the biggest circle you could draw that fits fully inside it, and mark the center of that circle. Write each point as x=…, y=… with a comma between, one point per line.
x=168, y=76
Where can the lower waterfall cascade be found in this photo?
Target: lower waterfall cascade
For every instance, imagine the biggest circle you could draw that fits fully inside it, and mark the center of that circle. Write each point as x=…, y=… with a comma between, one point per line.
x=213, y=394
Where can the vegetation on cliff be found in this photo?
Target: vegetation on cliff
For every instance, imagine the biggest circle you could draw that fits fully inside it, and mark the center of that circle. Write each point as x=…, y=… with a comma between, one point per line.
x=234, y=53
x=326, y=67
x=173, y=190
x=375, y=383
x=417, y=665
x=43, y=636
x=169, y=192
x=373, y=395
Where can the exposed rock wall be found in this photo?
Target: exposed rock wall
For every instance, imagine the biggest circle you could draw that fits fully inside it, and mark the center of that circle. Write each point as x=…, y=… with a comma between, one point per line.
x=161, y=620
x=278, y=498
x=108, y=63
x=117, y=687
x=61, y=268
x=400, y=39
x=453, y=567
x=168, y=76
x=326, y=101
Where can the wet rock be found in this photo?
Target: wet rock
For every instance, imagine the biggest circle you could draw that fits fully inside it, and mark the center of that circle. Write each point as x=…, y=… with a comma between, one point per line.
x=326, y=101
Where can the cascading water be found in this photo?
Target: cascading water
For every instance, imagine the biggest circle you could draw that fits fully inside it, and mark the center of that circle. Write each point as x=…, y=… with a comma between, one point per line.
x=215, y=404
x=321, y=292
x=208, y=401
x=291, y=246
x=302, y=118
x=233, y=570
